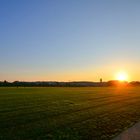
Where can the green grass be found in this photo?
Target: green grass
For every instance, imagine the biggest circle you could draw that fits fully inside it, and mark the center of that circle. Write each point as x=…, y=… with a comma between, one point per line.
x=67, y=113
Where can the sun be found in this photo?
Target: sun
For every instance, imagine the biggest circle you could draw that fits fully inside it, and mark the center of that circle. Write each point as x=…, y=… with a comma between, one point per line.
x=122, y=76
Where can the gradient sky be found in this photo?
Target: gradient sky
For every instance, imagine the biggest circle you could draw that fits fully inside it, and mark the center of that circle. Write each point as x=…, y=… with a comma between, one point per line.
x=68, y=40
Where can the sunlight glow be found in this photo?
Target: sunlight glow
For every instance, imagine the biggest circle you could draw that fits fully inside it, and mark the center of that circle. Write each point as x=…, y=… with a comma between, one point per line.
x=122, y=76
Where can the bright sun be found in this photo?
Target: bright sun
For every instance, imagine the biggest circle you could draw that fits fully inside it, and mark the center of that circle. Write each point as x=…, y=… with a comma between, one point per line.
x=122, y=76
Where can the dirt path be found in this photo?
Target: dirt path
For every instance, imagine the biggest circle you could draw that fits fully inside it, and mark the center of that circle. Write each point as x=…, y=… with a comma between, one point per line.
x=132, y=133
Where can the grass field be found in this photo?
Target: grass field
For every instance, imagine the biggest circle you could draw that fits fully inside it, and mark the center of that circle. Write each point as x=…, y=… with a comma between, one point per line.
x=67, y=113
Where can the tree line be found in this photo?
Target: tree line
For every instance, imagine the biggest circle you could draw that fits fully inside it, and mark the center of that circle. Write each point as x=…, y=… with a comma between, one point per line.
x=67, y=84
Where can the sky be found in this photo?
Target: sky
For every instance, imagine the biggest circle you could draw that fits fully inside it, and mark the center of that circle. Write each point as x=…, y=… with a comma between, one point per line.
x=69, y=40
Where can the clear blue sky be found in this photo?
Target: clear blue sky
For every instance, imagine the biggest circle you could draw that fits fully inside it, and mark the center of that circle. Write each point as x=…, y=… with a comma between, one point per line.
x=69, y=39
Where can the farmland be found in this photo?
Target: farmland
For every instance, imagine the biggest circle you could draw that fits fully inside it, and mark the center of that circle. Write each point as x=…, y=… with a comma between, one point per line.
x=67, y=113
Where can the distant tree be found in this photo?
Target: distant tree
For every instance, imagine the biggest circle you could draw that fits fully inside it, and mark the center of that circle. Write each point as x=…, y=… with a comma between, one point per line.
x=5, y=81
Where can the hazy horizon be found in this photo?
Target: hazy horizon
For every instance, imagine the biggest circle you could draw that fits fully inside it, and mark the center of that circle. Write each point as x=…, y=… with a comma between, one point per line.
x=69, y=40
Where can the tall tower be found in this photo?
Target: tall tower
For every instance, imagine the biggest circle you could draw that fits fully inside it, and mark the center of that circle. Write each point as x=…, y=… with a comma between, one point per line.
x=101, y=80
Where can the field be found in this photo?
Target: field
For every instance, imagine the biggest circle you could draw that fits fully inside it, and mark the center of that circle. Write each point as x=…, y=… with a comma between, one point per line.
x=67, y=113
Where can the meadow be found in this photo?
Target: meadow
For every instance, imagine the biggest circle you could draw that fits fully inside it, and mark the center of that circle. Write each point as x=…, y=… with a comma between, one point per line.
x=64, y=113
